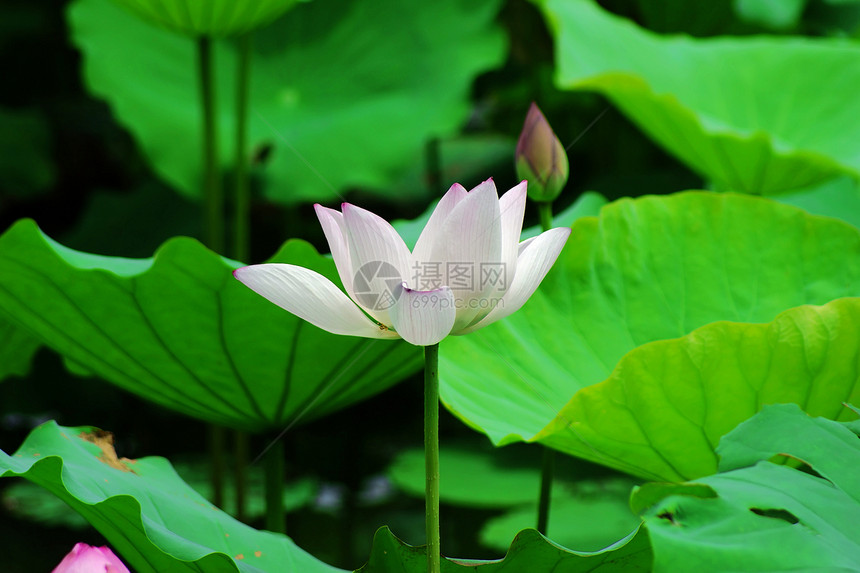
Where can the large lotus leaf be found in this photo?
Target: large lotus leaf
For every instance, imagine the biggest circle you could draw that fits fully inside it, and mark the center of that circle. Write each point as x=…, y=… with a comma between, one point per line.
x=177, y=329
x=663, y=410
x=768, y=517
x=346, y=91
x=153, y=519
x=17, y=348
x=209, y=17
x=733, y=109
x=648, y=269
x=530, y=551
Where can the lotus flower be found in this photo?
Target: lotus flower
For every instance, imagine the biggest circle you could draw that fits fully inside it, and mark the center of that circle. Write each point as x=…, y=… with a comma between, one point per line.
x=541, y=158
x=84, y=558
x=467, y=270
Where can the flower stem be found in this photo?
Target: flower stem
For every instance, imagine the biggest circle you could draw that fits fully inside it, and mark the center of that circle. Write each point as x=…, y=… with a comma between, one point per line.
x=546, y=475
x=431, y=455
x=213, y=221
x=242, y=197
x=273, y=467
x=213, y=234
x=217, y=465
x=240, y=473
x=548, y=465
x=545, y=214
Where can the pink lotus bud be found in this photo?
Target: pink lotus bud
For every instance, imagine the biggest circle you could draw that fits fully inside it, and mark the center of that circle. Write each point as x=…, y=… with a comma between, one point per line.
x=84, y=558
x=541, y=158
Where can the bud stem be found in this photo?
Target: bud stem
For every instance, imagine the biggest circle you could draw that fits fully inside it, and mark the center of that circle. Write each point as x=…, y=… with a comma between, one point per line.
x=545, y=214
x=548, y=468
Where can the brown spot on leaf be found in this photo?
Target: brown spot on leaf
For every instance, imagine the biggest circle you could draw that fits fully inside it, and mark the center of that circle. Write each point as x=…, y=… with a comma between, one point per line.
x=104, y=440
x=258, y=553
x=240, y=556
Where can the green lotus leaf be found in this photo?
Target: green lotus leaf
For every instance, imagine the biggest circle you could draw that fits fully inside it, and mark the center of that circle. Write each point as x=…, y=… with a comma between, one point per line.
x=768, y=517
x=663, y=410
x=733, y=109
x=209, y=17
x=654, y=268
x=530, y=551
x=150, y=517
x=345, y=92
x=178, y=330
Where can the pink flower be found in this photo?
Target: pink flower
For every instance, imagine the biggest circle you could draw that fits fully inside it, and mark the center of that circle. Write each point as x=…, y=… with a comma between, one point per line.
x=84, y=558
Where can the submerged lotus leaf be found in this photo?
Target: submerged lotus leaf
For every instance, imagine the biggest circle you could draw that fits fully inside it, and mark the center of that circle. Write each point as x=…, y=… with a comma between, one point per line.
x=735, y=110
x=178, y=330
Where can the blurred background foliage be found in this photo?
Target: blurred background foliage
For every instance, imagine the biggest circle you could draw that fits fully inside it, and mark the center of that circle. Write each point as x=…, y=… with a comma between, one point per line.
x=84, y=153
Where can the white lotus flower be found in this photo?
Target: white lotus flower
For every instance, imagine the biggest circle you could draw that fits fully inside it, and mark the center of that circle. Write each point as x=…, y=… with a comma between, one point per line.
x=467, y=270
